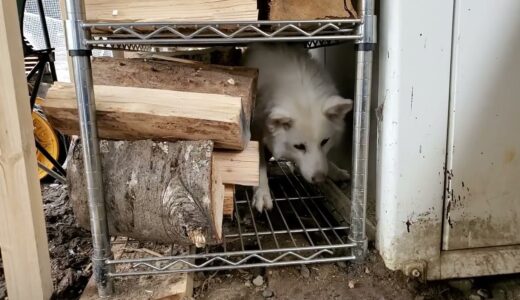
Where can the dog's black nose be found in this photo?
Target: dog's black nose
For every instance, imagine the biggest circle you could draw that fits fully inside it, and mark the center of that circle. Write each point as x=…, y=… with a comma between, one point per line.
x=318, y=177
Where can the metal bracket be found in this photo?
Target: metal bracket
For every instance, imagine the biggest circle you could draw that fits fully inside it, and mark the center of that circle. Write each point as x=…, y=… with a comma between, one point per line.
x=416, y=269
x=368, y=30
x=76, y=36
x=360, y=250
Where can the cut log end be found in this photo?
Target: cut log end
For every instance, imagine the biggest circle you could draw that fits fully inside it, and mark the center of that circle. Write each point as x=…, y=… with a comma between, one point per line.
x=217, y=203
x=198, y=237
x=229, y=200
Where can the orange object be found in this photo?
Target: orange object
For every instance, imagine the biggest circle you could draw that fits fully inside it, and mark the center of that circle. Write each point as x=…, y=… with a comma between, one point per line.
x=47, y=137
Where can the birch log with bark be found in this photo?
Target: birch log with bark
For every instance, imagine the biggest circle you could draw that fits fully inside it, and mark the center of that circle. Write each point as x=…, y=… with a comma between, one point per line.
x=157, y=191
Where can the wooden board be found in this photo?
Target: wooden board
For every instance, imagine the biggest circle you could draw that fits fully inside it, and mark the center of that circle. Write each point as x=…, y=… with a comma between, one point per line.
x=310, y=10
x=171, y=10
x=229, y=200
x=217, y=197
x=129, y=113
x=63, y=15
x=239, y=167
x=185, y=77
x=23, y=239
x=154, y=191
x=171, y=286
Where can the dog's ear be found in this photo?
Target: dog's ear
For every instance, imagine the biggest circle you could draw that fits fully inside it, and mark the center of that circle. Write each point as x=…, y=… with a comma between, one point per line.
x=335, y=108
x=279, y=119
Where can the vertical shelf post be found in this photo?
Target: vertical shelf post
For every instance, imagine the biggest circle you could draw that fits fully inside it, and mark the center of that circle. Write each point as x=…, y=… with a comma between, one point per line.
x=364, y=53
x=80, y=53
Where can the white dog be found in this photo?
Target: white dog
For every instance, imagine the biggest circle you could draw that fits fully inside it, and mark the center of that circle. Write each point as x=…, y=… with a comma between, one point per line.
x=298, y=116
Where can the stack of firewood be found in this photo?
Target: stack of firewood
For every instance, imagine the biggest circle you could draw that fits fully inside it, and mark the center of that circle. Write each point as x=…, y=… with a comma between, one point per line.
x=175, y=134
x=217, y=10
x=175, y=142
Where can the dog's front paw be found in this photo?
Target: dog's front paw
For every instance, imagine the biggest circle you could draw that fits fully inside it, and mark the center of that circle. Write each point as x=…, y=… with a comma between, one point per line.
x=339, y=175
x=262, y=199
x=291, y=166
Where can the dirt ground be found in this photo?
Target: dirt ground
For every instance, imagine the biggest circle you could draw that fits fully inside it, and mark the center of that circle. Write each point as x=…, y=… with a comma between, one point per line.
x=70, y=249
x=69, y=246
x=370, y=280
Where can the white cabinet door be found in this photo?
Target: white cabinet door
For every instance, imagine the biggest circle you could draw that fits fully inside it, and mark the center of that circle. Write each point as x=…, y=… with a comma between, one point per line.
x=482, y=205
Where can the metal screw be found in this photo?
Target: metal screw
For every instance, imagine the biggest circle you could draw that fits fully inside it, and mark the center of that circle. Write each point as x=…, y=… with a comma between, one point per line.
x=416, y=273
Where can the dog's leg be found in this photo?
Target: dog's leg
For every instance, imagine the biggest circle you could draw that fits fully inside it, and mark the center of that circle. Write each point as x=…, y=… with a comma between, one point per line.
x=291, y=166
x=338, y=174
x=262, y=198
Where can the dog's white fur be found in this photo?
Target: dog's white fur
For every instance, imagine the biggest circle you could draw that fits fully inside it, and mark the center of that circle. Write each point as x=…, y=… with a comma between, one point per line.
x=297, y=105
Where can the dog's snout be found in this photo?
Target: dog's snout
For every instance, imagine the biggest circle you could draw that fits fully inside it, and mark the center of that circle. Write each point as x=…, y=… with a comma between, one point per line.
x=318, y=177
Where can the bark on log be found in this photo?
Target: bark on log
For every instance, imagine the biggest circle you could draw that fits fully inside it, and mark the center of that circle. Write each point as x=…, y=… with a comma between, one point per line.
x=156, y=191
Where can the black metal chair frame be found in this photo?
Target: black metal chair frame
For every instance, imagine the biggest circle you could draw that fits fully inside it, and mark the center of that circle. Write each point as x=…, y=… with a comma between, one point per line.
x=45, y=58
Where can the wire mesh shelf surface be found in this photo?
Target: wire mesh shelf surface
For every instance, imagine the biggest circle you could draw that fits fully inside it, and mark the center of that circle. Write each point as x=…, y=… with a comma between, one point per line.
x=300, y=229
x=144, y=33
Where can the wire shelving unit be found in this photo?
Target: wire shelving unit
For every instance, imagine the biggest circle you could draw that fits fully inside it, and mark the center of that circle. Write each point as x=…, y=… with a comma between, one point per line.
x=300, y=229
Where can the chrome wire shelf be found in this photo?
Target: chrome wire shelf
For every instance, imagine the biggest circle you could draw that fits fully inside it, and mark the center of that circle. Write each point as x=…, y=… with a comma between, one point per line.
x=252, y=239
x=144, y=33
x=322, y=43
x=127, y=47
x=298, y=230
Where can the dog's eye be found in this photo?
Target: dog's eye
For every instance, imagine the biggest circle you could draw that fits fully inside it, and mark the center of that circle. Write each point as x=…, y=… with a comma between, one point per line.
x=324, y=142
x=300, y=147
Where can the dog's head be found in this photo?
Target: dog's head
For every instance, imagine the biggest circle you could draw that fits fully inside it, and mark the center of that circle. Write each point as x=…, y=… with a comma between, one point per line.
x=305, y=135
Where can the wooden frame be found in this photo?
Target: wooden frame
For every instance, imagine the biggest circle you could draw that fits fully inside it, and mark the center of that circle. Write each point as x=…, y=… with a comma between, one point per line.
x=23, y=239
